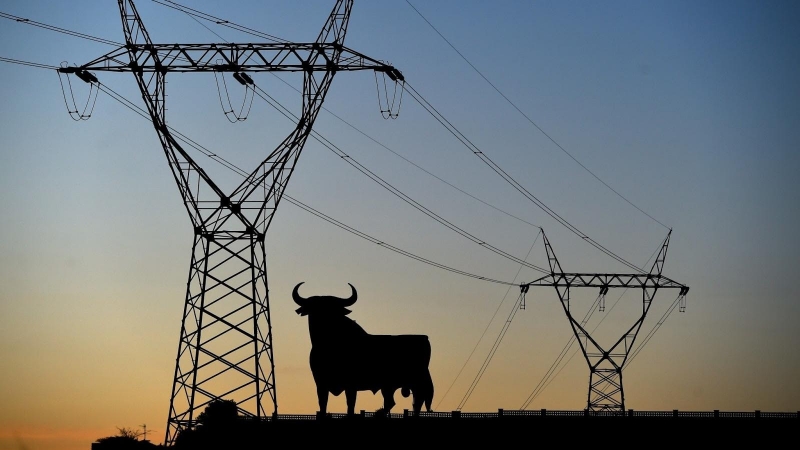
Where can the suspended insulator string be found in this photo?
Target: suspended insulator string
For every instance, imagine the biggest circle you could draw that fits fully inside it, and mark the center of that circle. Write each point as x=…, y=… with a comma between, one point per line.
x=389, y=112
x=480, y=339
x=74, y=114
x=560, y=147
x=133, y=107
x=548, y=380
x=208, y=17
x=241, y=116
x=27, y=63
x=497, y=169
x=382, y=145
x=228, y=112
x=383, y=183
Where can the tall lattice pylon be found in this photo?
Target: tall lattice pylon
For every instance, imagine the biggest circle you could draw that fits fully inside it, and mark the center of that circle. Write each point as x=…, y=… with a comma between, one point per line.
x=606, y=363
x=225, y=349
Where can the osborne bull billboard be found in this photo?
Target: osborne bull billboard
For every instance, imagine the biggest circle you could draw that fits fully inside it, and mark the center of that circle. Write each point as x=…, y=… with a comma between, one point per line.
x=345, y=358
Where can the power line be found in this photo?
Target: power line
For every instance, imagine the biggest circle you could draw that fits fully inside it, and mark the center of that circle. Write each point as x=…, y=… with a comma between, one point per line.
x=508, y=178
x=491, y=354
x=27, y=63
x=66, y=31
x=487, y=326
x=531, y=120
x=58, y=29
x=226, y=23
x=498, y=340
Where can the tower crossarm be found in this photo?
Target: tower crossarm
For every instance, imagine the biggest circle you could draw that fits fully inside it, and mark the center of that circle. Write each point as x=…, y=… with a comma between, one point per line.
x=233, y=57
x=607, y=280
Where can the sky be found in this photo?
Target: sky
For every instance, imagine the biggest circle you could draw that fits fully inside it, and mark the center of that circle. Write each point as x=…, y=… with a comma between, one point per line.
x=689, y=110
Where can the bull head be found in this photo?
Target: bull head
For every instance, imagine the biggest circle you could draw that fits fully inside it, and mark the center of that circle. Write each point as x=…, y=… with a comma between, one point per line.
x=324, y=303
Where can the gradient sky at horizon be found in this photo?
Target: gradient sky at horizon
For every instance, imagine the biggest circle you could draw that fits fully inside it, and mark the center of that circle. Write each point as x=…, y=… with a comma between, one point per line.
x=689, y=109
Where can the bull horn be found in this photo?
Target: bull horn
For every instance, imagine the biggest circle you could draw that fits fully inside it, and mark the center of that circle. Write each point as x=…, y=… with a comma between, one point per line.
x=353, y=297
x=296, y=295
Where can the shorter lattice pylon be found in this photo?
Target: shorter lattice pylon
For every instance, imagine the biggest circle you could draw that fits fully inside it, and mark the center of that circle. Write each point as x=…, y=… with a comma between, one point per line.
x=606, y=364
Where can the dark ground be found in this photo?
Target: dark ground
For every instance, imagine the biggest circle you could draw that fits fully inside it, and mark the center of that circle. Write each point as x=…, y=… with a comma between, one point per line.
x=492, y=432
x=220, y=427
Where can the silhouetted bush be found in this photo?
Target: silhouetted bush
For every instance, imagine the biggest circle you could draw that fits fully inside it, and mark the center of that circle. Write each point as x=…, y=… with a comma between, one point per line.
x=126, y=439
x=219, y=426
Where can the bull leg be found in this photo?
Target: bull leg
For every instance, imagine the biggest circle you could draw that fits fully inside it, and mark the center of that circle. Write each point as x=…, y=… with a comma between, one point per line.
x=417, y=402
x=350, y=395
x=388, y=399
x=428, y=397
x=322, y=396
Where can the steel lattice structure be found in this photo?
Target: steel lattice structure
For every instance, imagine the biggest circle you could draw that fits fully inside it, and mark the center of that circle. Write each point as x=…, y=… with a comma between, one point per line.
x=225, y=349
x=605, y=365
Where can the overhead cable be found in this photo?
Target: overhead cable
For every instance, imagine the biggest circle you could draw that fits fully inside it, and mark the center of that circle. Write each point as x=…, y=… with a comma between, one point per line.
x=506, y=325
x=508, y=178
x=27, y=63
x=560, y=147
x=480, y=339
x=225, y=23
x=58, y=29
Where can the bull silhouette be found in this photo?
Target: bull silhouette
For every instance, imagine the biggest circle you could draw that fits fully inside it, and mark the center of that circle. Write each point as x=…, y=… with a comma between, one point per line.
x=345, y=358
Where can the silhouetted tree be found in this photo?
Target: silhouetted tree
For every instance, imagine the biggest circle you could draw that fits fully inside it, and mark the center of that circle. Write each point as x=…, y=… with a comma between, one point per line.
x=219, y=413
x=218, y=427
x=126, y=438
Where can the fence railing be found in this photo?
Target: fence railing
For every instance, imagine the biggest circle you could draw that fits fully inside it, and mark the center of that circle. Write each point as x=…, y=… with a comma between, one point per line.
x=501, y=413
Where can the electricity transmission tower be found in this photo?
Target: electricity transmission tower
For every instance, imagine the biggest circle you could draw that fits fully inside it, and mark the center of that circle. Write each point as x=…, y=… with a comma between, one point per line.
x=225, y=350
x=606, y=364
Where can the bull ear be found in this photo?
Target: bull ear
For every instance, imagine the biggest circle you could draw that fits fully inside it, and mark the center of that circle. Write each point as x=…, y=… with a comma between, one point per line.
x=353, y=297
x=296, y=296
